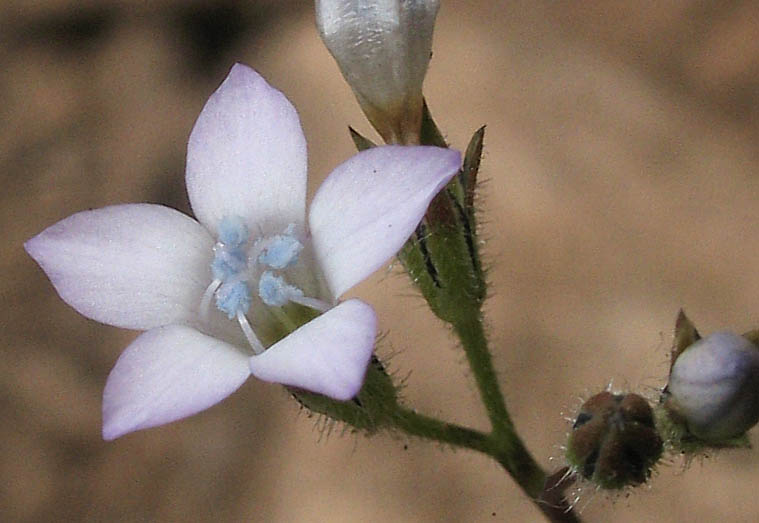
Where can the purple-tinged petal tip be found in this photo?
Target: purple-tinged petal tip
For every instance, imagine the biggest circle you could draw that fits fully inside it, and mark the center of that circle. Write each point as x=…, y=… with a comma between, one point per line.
x=246, y=156
x=369, y=206
x=135, y=266
x=167, y=374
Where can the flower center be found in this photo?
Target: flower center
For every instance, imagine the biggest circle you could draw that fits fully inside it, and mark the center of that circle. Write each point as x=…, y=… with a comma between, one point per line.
x=240, y=265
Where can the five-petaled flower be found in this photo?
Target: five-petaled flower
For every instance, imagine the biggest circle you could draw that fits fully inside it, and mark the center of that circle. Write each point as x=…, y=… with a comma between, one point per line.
x=252, y=286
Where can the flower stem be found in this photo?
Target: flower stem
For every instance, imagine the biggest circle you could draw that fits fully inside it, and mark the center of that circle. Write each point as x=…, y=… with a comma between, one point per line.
x=506, y=446
x=445, y=265
x=470, y=330
x=544, y=491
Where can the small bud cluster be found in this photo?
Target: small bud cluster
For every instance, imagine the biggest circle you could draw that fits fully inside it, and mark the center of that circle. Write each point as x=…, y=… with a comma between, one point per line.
x=711, y=400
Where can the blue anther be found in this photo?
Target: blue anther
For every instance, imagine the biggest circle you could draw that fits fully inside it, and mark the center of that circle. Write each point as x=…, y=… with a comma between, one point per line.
x=228, y=263
x=233, y=298
x=282, y=251
x=274, y=291
x=231, y=258
x=233, y=232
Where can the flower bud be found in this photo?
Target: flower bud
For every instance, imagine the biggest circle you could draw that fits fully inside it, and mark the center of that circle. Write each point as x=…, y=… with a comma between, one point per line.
x=614, y=442
x=383, y=48
x=714, y=387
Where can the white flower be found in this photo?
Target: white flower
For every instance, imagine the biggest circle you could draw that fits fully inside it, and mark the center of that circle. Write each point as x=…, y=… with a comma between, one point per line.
x=714, y=386
x=383, y=48
x=232, y=293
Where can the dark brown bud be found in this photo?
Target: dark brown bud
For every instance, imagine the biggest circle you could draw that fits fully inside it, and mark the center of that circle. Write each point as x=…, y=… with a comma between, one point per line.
x=614, y=442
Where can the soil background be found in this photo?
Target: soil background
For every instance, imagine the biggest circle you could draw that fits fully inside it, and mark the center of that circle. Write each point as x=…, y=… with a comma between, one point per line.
x=620, y=184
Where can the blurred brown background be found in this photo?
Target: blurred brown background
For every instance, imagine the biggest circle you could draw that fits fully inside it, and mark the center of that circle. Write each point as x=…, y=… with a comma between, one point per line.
x=622, y=178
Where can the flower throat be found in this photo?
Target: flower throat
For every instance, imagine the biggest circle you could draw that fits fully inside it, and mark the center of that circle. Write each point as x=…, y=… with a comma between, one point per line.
x=238, y=263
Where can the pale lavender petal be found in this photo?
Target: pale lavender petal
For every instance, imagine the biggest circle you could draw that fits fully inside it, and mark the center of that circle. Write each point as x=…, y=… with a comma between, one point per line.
x=369, y=206
x=135, y=266
x=328, y=355
x=247, y=156
x=167, y=374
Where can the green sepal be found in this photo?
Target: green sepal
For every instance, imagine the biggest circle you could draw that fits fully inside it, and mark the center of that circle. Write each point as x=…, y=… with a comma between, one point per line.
x=468, y=182
x=440, y=265
x=685, y=336
x=430, y=134
x=443, y=256
x=678, y=439
x=471, y=167
x=368, y=412
x=752, y=336
x=361, y=142
x=463, y=187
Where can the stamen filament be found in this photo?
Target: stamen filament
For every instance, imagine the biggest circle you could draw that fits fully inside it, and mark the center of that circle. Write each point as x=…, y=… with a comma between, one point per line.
x=253, y=340
x=311, y=303
x=205, y=302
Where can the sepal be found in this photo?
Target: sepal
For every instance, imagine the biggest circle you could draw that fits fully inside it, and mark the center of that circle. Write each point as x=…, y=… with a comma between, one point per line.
x=430, y=133
x=368, y=412
x=443, y=257
x=471, y=167
x=685, y=336
x=361, y=142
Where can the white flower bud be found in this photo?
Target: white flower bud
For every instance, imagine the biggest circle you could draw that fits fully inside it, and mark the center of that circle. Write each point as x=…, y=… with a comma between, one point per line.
x=714, y=387
x=383, y=48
